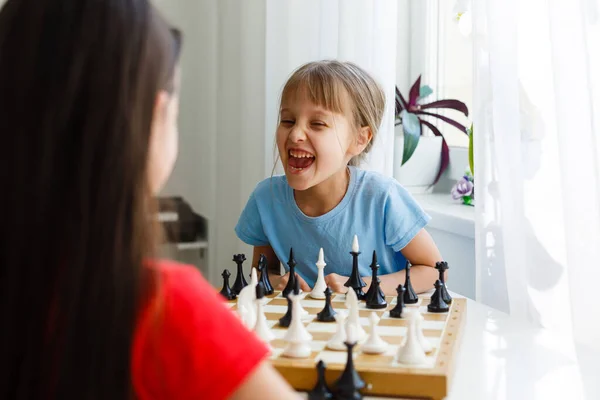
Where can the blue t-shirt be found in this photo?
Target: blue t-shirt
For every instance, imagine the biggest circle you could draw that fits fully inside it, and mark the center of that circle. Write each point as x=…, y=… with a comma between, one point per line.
x=383, y=215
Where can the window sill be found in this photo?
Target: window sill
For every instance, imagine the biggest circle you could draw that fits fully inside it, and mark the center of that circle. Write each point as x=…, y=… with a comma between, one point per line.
x=447, y=214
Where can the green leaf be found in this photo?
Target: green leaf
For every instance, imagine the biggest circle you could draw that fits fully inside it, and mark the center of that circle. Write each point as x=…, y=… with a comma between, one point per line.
x=471, y=161
x=412, y=132
x=425, y=91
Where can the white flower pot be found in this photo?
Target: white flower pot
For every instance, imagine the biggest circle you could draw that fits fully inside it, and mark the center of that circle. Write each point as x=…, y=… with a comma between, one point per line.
x=418, y=173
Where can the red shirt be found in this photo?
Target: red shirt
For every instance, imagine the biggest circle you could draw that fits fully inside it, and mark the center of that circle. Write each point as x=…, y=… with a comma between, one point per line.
x=188, y=344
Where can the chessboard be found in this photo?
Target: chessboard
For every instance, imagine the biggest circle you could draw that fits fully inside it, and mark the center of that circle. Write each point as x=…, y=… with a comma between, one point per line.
x=382, y=374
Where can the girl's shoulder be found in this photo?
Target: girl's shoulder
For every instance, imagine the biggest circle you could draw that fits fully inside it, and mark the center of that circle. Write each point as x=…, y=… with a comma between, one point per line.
x=272, y=186
x=376, y=184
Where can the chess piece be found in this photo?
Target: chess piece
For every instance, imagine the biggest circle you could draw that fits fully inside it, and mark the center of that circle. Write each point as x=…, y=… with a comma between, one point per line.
x=437, y=303
x=328, y=313
x=321, y=391
x=240, y=281
x=374, y=344
x=261, y=328
x=353, y=315
x=291, y=283
x=442, y=266
x=425, y=343
x=375, y=296
x=336, y=342
x=264, y=274
x=396, y=312
x=297, y=336
x=350, y=383
x=411, y=352
x=410, y=297
x=247, y=299
x=318, y=291
x=226, y=291
x=287, y=318
x=355, y=281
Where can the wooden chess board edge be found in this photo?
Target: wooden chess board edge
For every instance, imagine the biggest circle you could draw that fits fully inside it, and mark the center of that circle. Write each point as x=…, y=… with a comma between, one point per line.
x=454, y=328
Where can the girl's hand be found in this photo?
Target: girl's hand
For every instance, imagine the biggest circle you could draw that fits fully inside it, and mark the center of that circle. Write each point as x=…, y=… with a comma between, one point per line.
x=336, y=283
x=280, y=281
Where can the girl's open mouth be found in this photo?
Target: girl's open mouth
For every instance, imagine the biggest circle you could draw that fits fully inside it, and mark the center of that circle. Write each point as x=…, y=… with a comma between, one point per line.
x=298, y=160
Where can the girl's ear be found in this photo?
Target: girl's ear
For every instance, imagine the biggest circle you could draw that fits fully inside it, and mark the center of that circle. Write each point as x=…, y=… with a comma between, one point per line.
x=365, y=135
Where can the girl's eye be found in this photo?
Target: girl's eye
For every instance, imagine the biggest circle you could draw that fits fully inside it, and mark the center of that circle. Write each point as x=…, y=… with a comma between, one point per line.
x=318, y=123
x=287, y=122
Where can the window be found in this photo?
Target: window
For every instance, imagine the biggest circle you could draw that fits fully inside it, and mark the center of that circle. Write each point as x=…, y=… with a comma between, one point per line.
x=448, y=60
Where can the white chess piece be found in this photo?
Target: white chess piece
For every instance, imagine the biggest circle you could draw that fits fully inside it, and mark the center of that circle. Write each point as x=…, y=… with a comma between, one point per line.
x=242, y=313
x=425, y=343
x=353, y=315
x=411, y=352
x=318, y=291
x=336, y=342
x=261, y=328
x=355, y=244
x=297, y=336
x=247, y=299
x=374, y=344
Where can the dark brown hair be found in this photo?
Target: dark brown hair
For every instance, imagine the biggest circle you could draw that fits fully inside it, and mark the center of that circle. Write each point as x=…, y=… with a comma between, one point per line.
x=78, y=85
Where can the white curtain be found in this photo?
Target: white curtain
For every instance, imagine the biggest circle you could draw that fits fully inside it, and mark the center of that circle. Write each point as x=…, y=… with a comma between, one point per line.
x=361, y=31
x=537, y=174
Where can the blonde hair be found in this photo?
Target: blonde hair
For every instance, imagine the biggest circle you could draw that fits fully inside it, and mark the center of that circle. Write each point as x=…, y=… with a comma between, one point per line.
x=329, y=82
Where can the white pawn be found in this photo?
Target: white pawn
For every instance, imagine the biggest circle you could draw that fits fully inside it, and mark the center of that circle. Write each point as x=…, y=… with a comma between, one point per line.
x=353, y=315
x=320, y=285
x=247, y=300
x=242, y=313
x=374, y=344
x=336, y=342
x=425, y=343
x=261, y=328
x=411, y=352
x=297, y=336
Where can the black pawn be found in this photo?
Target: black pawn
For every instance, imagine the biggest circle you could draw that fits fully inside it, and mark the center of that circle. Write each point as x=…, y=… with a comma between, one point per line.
x=410, y=297
x=437, y=303
x=349, y=383
x=286, y=320
x=291, y=283
x=328, y=313
x=321, y=390
x=264, y=274
x=226, y=291
x=355, y=281
x=240, y=281
x=375, y=296
x=396, y=312
x=442, y=266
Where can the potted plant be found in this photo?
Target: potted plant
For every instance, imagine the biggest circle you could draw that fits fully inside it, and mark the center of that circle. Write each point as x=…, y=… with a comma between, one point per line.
x=413, y=116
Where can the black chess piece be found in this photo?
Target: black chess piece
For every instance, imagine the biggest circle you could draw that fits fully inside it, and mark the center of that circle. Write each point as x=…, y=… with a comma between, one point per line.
x=328, y=313
x=260, y=291
x=321, y=391
x=396, y=312
x=349, y=384
x=286, y=320
x=437, y=303
x=410, y=297
x=264, y=274
x=240, y=281
x=442, y=266
x=226, y=291
x=291, y=283
x=375, y=296
x=355, y=281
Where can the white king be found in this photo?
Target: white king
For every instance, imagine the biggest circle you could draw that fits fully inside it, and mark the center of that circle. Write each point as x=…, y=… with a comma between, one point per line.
x=318, y=291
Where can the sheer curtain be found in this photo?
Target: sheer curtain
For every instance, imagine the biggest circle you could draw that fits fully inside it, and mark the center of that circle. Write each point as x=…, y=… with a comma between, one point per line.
x=361, y=31
x=537, y=174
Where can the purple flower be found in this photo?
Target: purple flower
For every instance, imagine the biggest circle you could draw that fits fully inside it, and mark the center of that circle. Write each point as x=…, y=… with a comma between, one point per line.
x=463, y=188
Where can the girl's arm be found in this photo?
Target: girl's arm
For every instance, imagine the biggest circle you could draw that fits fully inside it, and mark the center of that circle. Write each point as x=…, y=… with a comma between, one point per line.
x=264, y=384
x=422, y=253
x=277, y=280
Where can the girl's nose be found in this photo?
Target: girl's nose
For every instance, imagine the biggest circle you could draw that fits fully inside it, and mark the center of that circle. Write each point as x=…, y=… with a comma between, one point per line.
x=297, y=134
